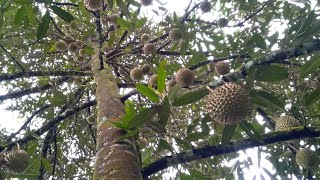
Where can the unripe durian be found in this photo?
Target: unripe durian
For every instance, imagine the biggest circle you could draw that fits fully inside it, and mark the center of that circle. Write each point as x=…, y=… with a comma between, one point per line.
x=82, y=52
x=72, y=48
x=61, y=46
x=136, y=74
x=93, y=5
x=146, y=2
x=205, y=6
x=221, y=68
x=144, y=38
x=175, y=34
x=17, y=161
x=229, y=104
x=91, y=119
x=113, y=19
x=149, y=48
x=80, y=59
x=286, y=123
x=68, y=39
x=306, y=158
x=153, y=80
x=73, y=25
x=222, y=22
x=185, y=77
x=79, y=44
x=145, y=68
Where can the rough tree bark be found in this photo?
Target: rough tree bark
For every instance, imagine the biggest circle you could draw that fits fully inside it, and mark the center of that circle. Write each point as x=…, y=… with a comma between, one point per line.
x=114, y=159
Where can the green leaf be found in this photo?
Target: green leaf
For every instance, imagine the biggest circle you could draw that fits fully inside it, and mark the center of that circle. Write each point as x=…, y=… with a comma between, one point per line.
x=148, y=92
x=58, y=98
x=270, y=73
x=20, y=15
x=197, y=175
x=163, y=144
x=227, y=133
x=62, y=13
x=157, y=127
x=195, y=136
x=30, y=13
x=164, y=112
x=43, y=26
x=161, y=76
x=310, y=98
x=124, y=8
x=184, y=176
x=129, y=134
x=183, y=143
x=144, y=116
x=309, y=67
x=129, y=110
x=250, y=131
x=190, y=97
x=267, y=99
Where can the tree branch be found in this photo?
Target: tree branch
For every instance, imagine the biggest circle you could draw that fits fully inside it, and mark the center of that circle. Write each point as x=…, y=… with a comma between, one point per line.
x=28, y=74
x=13, y=58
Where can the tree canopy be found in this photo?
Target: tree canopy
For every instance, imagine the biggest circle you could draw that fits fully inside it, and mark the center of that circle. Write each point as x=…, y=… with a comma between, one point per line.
x=67, y=64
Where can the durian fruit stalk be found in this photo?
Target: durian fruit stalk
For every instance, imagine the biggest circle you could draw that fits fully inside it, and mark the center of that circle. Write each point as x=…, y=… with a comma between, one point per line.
x=229, y=104
x=17, y=161
x=306, y=158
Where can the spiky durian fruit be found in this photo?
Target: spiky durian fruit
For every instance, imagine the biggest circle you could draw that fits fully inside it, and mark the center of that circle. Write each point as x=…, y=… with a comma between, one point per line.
x=229, y=104
x=286, y=123
x=144, y=38
x=68, y=39
x=72, y=48
x=153, y=80
x=80, y=59
x=223, y=22
x=79, y=44
x=136, y=74
x=146, y=2
x=222, y=68
x=176, y=34
x=185, y=77
x=91, y=119
x=82, y=52
x=145, y=68
x=306, y=158
x=149, y=48
x=205, y=6
x=170, y=84
x=61, y=46
x=93, y=5
x=17, y=161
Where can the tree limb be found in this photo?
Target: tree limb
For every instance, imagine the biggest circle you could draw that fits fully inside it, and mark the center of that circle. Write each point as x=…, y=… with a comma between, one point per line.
x=28, y=74
x=13, y=58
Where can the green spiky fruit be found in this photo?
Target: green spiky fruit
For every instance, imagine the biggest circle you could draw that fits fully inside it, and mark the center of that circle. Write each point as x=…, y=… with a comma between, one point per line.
x=61, y=46
x=144, y=38
x=221, y=68
x=153, y=80
x=149, y=48
x=286, y=123
x=68, y=39
x=136, y=74
x=91, y=119
x=93, y=5
x=146, y=2
x=79, y=44
x=229, y=104
x=82, y=52
x=185, y=77
x=175, y=34
x=145, y=68
x=17, y=161
x=72, y=48
x=205, y=6
x=80, y=59
x=223, y=22
x=306, y=158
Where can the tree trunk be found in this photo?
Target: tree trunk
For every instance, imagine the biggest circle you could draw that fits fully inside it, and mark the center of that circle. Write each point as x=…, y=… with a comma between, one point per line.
x=114, y=159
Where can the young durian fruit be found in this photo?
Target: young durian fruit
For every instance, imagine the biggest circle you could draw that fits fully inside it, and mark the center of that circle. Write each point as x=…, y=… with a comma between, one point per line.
x=229, y=104
x=149, y=48
x=153, y=80
x=68, y=39
x=286, y=123
x=145, y=68
x=93, y=5
x=175, y=34
x=221, y=68
x=72, y=48
x=80, y=59
x=61, y=46
x=306, y=158
x=73, y=26
x=146, y=2
x=222, y=22
x=82, y=52
x=185, y=77
x=91, y=119
x=79, y=44
x=144, y=38
x=136, y=74
x=17, y=161
x=205, y=6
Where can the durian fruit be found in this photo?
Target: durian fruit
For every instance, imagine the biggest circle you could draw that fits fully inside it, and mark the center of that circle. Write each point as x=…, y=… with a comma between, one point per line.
x=17, y=161
x=112, y=18
x=221, y=68
x=185, y=77
x=143, y=142
x=82, y=52
x=170, y=84
x=149, y=48
x=146, y=2
x=72, y=48
x=73, y=25
x=145, y=68
x=211, y=66
x=136, y=74
x=153, y=80
x=222, y=22
x=229, y=104
x=68, y=39
x=306, y=158
x=205, y=6
x=61, y=46
x=286, y=123
x=175, y=34
x=80, y=59
x=93, y=5
x=79, y=44
x=144, y=38
x=91, y=119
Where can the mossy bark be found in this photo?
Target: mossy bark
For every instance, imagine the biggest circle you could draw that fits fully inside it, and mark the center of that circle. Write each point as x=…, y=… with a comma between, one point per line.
x=114, y=159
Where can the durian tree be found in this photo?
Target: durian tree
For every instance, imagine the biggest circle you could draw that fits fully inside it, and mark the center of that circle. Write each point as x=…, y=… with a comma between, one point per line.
x=126, y=89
